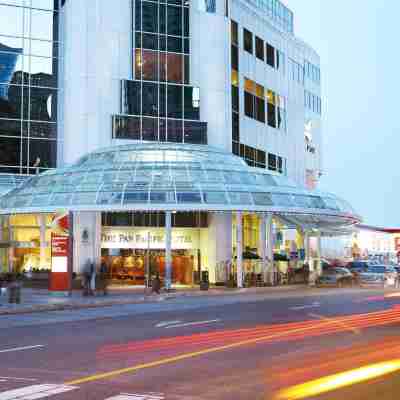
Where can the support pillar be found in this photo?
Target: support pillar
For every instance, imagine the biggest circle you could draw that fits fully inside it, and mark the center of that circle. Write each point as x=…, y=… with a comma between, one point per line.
x=239, y=249
x=42, y=237
x=318, y=261
x=86, y=233
x=168, y=253
x=307, y=249
x=262, y=245
x=270, y=249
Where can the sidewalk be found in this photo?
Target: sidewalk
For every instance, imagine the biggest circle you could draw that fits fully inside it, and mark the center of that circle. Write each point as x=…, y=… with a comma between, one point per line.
x=40, y=300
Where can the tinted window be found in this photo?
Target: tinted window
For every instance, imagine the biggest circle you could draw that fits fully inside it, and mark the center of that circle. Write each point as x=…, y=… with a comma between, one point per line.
x=248, y=41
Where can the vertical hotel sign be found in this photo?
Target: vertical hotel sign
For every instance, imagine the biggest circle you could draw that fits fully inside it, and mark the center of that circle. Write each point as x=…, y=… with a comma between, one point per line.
x=60, y=277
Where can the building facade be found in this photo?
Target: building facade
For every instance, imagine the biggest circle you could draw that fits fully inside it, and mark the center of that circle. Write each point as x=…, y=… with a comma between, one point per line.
x=208, y=76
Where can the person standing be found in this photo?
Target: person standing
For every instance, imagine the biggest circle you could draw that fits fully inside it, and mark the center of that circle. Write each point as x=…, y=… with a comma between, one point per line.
x=156, y=284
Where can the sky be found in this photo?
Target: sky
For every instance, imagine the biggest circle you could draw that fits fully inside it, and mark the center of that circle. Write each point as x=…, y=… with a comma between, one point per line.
x=358, y=41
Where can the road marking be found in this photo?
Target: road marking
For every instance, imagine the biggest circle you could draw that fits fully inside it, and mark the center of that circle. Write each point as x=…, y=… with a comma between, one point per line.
x=313, y=305
x=193, y=323
x=170, y=360
x=18, y=379
x=136, y=396
x=22, y=348
x=35, y=392
x=165, y=323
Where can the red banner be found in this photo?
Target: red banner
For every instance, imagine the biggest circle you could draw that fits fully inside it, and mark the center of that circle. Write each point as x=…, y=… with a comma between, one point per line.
x=60, y=280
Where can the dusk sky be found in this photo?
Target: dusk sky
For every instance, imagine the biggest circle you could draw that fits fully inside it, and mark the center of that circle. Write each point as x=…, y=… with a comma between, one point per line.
x=358, y=44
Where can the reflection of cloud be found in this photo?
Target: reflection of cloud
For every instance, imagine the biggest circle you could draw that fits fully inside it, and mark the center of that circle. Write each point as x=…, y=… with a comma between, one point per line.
x=8, y=61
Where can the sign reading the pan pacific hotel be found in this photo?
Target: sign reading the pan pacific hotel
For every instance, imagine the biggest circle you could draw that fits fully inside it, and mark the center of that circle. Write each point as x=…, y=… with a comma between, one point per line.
x=182, y=239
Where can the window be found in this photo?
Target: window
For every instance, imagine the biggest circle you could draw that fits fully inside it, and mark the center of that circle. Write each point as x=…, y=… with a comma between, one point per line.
x=248, y=104
x=149, y=17
x=235, y=127
x=259, y=48
x=270, y=55
x=272, y=162
x=235, y=57
x=234, y=33
x=247, y=41
x=235, y=98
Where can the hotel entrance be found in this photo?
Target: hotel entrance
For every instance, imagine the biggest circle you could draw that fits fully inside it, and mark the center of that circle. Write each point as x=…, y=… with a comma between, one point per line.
x=130, y=266
x=133, y=246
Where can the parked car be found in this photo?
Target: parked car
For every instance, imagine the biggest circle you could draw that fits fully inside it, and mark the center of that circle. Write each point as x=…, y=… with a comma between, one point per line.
x=335, y=276
x=379, y=275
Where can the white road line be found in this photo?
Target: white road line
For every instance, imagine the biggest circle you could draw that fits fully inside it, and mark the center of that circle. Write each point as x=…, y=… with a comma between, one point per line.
x=165, y=323
x=193, y=323
x=22, y=348
x=12, y=378
x=35, y=392
x=313, y=305
x=135, y=396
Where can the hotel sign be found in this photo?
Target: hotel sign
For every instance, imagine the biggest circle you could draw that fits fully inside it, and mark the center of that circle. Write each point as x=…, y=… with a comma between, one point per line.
x=133, y=238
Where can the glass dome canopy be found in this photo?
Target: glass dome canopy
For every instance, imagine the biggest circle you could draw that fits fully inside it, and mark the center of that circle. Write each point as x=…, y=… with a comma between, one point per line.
x=166, y=176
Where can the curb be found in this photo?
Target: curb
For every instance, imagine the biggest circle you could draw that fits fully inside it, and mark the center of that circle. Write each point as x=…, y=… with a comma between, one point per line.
x=30, y=309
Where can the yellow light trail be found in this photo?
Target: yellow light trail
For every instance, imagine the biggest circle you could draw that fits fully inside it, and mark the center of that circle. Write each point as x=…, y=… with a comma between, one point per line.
x=337, y=381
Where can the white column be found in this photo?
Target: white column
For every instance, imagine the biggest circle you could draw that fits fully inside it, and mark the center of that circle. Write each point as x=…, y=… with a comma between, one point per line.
x=263, y=244
x=270, y=247
x=218, y=243
x=42, y=234
x=168, y=253
x=319, y=266
x=307, y=249
x=87, y=239
x=239, y=249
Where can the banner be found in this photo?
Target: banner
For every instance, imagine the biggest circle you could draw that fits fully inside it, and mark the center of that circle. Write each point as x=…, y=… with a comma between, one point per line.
x=60, y=277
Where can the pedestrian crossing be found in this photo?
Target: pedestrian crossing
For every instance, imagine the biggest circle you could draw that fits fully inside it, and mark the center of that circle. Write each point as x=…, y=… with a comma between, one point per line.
x=34, y=392
x=42, y=391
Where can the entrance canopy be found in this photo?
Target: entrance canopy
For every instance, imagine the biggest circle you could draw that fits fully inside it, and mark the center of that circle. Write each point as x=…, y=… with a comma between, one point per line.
x=171, y=177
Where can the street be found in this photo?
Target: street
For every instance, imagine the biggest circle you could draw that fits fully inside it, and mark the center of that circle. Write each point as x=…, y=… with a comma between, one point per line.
x=250, y=346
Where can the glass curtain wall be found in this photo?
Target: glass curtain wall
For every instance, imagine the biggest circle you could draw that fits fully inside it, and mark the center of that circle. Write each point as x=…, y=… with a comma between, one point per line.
x=29, y=51
x=160, y=103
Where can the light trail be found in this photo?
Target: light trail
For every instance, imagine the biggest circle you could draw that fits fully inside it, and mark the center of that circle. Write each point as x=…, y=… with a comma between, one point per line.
x=337, y=381
x=287, y=331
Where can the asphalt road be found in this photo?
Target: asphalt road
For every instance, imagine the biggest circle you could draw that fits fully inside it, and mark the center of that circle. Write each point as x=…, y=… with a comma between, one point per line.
x=257, y=346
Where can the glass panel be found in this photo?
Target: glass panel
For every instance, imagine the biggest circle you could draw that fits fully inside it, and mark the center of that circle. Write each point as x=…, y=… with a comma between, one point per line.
x=149, y=129
x=188, y=197
x=131, y=93
x=317, y=202
x=149, y=66
x=136, y=197
x=41, y=24
x=10, y=127
x=11, y=101
x=175, y=130
x=10, y=151
x=11, y=20
x=302, y=201
x=174, y=68
x=84, y=198
x=174, y=101
x=46, y=150
x=150, y=41
x=150, y=99
x=40, y=200
x=262, y=199
x=61, y=199
x=282, y=200
x=215, y=197
x=109, y=198
x=150, y=17
x=240, y=198
x=195, y=132
x=174, y=20
x=127, y=128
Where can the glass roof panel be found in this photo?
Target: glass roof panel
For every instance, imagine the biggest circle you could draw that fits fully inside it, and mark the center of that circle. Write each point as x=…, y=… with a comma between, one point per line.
x=154, y=173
